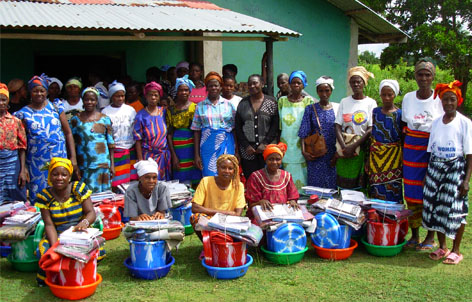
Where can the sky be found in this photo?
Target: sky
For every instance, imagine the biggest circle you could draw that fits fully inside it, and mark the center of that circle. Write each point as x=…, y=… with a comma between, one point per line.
x=375, y=48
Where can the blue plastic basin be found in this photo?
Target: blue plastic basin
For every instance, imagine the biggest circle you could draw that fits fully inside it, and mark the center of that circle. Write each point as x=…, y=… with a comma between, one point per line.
x=149, y=273
x=228, y=272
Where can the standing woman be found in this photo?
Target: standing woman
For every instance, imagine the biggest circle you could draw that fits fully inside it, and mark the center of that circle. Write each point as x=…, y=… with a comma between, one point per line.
x=54, y=89
x=150, y=131
x=385, y=158
x=199, y=92
x=419, y=109
x=47, y=132
x=73, y=104
x=213, y=126
x=12, y=153
x=93, y=136
x=447, y=180
x=122, y=121
x=354, y=117
x=321, y=173
x=180, y=136
x=291, y=110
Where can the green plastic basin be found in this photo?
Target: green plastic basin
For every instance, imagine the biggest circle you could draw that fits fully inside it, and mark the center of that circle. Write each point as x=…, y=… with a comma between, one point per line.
x=23, y=265
x=383, y=251
x=284, y=258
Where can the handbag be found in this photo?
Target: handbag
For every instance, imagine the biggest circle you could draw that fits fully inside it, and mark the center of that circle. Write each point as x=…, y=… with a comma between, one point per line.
x=315, y=144
x=348, y=139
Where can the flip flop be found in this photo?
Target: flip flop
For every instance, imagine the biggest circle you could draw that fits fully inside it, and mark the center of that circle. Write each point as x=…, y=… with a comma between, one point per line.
x=439, y=254
x=425, y=246
x=411, y=243
x=453, y=258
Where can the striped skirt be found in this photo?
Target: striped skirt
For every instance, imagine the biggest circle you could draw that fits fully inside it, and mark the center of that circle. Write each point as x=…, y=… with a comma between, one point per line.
x=184, y=148
x=443, y=210
x=415, y=164
x=9, y=171
x=124, y=166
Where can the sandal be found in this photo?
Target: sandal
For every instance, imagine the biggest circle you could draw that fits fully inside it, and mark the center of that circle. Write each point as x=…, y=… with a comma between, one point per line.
x=439, y=254
x=426, y=246
x=412, y=243
x=453, y=258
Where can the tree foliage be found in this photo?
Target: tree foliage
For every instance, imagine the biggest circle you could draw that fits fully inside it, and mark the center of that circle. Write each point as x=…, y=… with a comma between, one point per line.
x=368, y=57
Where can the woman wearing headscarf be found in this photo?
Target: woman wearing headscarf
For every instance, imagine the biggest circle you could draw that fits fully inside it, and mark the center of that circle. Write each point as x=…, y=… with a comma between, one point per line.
x=419, y=109
x=319, y=118
x=271, y=185
x=122, y=119
x=213, y=125
x=354, y=117
x=291, y=110
x=54, y=89
x=147, y=199
x=12, y=153
x=384, y=166
x=73, y=103
x=18, y=95
x=180, y=136
x=93, y=136
x=47, y=132
x=446, y=188
x=150, y=131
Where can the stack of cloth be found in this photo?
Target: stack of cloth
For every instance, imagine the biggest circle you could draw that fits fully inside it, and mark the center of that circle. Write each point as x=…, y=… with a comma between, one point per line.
x=79, y=245
x=179, y=193
x=389, y=209
x=171, y=231
x=345, y=212
x=19, y=226
x=321, y=192
x=8, y=209
x=281, y=214
x=106, y=197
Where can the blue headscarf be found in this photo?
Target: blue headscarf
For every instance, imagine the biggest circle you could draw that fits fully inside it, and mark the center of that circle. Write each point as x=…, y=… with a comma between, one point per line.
x=185, y=81
x=41, y=80
x=298, y=74
x=114, y=87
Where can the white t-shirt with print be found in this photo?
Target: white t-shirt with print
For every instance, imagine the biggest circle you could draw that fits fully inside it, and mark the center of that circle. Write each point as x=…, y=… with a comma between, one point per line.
x=122, y=120
x=451, y=140
x=420, y=114
x=355, y=116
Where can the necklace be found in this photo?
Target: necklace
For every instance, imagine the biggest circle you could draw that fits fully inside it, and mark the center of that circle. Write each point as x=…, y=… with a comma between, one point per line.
x=272, y=177
x=61, y=199
x=151, y=112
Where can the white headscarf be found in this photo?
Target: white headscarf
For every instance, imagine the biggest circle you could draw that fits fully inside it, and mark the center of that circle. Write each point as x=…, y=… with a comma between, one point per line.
x=146, y=166
x=390, y=83
x=324, y=80
x=55, y=80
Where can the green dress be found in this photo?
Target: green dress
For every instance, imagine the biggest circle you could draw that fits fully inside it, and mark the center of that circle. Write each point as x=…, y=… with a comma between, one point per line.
x=291, y=115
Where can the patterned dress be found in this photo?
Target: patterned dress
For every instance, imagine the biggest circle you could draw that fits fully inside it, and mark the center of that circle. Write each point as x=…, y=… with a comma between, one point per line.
x=291, y=115
x=45, y=141
x=151, y=130
x=93, y=139
x=320, y=172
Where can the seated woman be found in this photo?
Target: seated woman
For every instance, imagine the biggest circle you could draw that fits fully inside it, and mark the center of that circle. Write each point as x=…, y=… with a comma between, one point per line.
x=63, y=204
x=147, y=199
x=271, y=185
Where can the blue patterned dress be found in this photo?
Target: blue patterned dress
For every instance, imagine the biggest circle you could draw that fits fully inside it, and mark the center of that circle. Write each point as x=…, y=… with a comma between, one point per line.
x=45, y=141
x=320, y=172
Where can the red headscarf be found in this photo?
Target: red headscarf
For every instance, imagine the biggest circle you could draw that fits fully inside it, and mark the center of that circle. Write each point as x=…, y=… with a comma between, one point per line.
x=213, y=75
x=442, y=88
x=280, y=148
x=153, y=86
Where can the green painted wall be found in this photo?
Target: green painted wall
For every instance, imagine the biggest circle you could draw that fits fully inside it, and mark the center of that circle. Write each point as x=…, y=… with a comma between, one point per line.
x=322, y=50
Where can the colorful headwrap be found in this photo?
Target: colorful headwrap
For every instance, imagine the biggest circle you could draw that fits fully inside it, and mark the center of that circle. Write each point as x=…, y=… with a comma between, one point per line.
x=298, y=74
x=41, y=80
x=441, y=89
x=280, y=148
x=183, y=64
x=91, y=89
x=15, y=84
x=213, y=75
x=153, y=86
x=74, y=81
x=4, y=90
x=55, y=80
x=390, y=83
x=362, y=72
x=184, y=81
x=59, y=162
x=423, y=64
x=114, y=87
x=325, y=80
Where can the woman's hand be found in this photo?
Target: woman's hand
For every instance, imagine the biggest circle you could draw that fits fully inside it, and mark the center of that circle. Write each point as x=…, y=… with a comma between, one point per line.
x=350, y=151
x=175, y=163
x=76, y=171
x=463, y=189
x=261, y=148
x=308, y=156
x=250, y=150
x=112, y=172
x=144, y=217
x=81, y=226
x=294, y=204
x=23, y=178
x=158, y=215
x=266, y=205
x=198, y=162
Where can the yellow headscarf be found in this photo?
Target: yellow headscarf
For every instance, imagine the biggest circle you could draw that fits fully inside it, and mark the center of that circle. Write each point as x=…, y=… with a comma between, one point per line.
x=4, y=90
x=360, y=71
x=59, y=162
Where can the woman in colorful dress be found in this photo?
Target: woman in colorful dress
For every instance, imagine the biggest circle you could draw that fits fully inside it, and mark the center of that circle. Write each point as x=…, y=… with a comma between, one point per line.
x=199, y=92
x=180, y=137
x=271, y=185
x=150, y=131
x=385, y=158
x=354, y=117
x=419, y=109
x=446, y=188
x=47, y=132
x=122, y=121
x=12, y=153
x=291, y=110
x=213, y=126
x=93, y=136
x=321, y=171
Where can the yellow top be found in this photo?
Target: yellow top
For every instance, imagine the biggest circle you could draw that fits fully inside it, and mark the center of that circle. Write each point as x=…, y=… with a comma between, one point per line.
x=210, y=196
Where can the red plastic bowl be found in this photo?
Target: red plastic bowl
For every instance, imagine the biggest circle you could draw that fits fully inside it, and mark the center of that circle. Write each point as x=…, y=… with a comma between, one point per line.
x=112, y=233
x=335, y=254
x=74, y=292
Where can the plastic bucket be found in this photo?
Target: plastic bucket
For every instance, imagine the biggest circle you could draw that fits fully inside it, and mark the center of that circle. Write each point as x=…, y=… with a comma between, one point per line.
x=221, y=251
x=148, y=254
x=77, y=274
x=182, y=214
x=386, y=233
x=24, y=250
x=345, y=239
x=111, y=216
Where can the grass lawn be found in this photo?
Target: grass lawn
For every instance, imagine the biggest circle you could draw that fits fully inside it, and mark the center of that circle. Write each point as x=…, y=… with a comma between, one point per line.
x=410, y=276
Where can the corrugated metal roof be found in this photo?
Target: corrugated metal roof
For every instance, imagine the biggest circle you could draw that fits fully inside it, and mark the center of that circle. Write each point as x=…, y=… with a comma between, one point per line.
x=137, y=15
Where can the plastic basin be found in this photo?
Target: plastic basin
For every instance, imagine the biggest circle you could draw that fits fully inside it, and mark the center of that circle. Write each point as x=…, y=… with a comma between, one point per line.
x=5, y=250
x=383, y=251
x=23, y=265
x=335, y=254
x=228, y=272
x=284, y=258
x=148, y=254
x=112, y=233
x=188, y=229
x=74, y=292
x=149, y=273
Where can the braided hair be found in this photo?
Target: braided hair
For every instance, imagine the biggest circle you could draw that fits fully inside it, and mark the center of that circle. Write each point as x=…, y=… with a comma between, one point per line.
x=235, y=162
